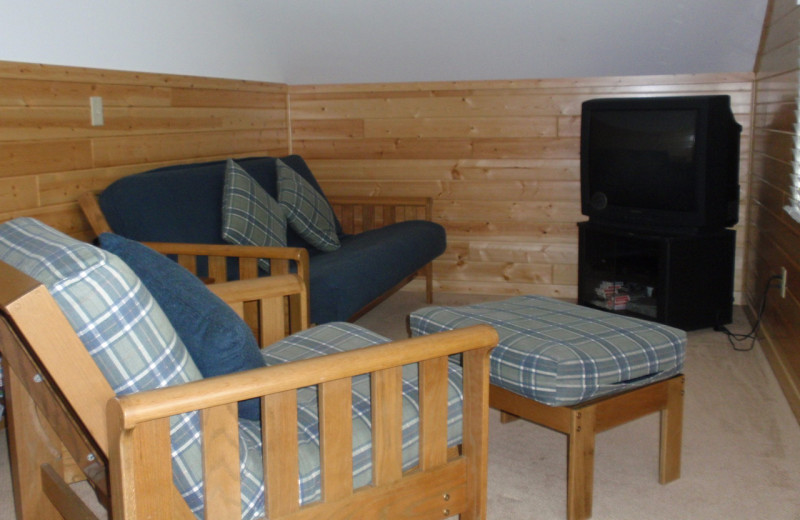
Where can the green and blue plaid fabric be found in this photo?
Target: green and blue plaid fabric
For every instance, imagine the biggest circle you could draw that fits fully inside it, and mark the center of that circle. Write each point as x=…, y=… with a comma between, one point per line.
x=249, y=215
x=136, y=349
x=341, y=337
x=307, y=210
x=119, y=322
x=561, y=354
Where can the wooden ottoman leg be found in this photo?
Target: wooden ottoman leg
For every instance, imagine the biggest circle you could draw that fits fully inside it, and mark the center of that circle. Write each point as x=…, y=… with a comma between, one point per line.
x=671, y=432
x=506, y=417
x=580, y=463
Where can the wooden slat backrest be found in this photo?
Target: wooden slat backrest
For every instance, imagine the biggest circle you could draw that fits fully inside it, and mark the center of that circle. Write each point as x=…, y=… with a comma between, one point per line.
x=359, y=214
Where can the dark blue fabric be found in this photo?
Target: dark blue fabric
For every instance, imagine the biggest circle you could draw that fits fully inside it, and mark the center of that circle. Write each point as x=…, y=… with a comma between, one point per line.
x=218, y=340
x=183, y=203
x=369, y=264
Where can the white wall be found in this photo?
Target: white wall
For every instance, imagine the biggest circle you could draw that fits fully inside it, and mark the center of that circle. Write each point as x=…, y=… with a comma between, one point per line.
x=347, y=41
x=215, y=38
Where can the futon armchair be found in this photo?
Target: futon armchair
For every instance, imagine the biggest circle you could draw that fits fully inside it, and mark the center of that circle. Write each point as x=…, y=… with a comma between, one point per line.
x=100, y=386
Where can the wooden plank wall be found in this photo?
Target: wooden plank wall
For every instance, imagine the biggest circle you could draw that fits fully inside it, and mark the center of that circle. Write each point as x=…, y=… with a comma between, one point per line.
x=499, y=158
x=50, y=153
x=775, y=237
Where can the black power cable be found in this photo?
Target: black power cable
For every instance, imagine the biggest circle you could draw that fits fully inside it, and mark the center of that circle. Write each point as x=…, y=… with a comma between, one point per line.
x=732, y=336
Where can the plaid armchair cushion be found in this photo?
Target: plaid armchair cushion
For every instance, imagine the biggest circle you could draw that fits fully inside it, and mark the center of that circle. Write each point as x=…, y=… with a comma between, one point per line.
x=119, y=322
x=103, y=298
x=340, y=337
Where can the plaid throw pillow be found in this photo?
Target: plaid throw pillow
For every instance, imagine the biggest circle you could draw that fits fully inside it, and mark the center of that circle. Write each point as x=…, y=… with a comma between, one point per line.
x=307, y=210
x=249, y=215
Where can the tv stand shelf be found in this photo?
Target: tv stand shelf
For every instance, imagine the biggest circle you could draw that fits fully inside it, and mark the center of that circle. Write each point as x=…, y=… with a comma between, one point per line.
x=685, y=281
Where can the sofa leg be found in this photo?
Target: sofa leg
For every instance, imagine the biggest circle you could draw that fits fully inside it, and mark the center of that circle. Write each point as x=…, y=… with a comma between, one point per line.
x=429, y=283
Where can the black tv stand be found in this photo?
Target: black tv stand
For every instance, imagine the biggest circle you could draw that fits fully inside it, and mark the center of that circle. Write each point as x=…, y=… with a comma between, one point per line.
x=682, y=280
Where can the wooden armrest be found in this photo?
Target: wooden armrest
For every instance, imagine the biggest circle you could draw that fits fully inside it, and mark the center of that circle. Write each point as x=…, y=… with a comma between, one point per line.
x=256, y=288
x=297, y=254
x=139, y=433
x=91, y=209
x=217, y=253
x=140, y=407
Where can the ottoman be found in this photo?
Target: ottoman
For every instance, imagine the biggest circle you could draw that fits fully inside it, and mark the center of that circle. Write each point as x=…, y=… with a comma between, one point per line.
x=579, y=371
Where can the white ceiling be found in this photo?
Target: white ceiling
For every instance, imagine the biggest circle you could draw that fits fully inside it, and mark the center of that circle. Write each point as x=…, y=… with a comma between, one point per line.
x=355, y=41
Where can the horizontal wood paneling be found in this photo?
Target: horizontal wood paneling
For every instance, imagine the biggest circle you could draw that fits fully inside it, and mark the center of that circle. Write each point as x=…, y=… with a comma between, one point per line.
x=50, y=153
x=500, y=159
x=774, y=240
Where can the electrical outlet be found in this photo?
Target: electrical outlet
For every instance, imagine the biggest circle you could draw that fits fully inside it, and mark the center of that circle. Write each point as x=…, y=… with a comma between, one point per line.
x=96, y=105
x=783, y=282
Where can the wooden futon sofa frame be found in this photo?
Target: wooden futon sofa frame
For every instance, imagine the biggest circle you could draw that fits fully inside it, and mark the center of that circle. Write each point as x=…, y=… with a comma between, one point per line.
x=65, y=423
x=356, y=215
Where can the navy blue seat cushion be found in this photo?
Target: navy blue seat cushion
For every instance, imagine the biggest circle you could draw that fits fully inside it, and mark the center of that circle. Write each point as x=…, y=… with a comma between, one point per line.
x=217, y=339
x=369, y=264
x=182, y=203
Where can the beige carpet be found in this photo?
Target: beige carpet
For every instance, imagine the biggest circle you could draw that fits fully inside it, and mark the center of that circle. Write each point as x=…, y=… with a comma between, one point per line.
x=741, y=449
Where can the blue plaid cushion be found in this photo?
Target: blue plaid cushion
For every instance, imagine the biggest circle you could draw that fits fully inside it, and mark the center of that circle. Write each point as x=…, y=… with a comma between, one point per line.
x=122, y=326
x=307, y=210
x=118, y=320
x=561, y=354
x=340, y=337
x=249, y=215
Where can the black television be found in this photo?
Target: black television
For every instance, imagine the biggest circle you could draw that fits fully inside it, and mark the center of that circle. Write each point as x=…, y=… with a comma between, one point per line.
x=663, y=164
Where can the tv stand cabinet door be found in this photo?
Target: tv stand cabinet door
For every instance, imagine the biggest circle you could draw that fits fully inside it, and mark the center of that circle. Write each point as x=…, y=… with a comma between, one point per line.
x=699, y=280
x=681, y=280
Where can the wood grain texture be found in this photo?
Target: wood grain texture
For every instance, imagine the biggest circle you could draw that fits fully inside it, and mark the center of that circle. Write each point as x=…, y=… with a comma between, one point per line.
x=500, y=159
x=50, y=153
x=774, y=239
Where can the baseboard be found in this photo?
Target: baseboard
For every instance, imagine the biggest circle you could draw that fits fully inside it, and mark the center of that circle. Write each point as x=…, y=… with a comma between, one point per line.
x=786, y=379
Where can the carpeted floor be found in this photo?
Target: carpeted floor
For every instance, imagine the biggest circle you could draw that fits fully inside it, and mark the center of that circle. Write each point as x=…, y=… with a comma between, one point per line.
x=741, y=444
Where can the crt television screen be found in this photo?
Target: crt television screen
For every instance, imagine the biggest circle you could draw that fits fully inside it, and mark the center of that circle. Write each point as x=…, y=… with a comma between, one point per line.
x=644, y=158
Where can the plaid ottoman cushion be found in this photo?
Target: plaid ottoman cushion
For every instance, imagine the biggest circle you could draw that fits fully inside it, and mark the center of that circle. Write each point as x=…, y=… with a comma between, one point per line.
x=561, y=354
